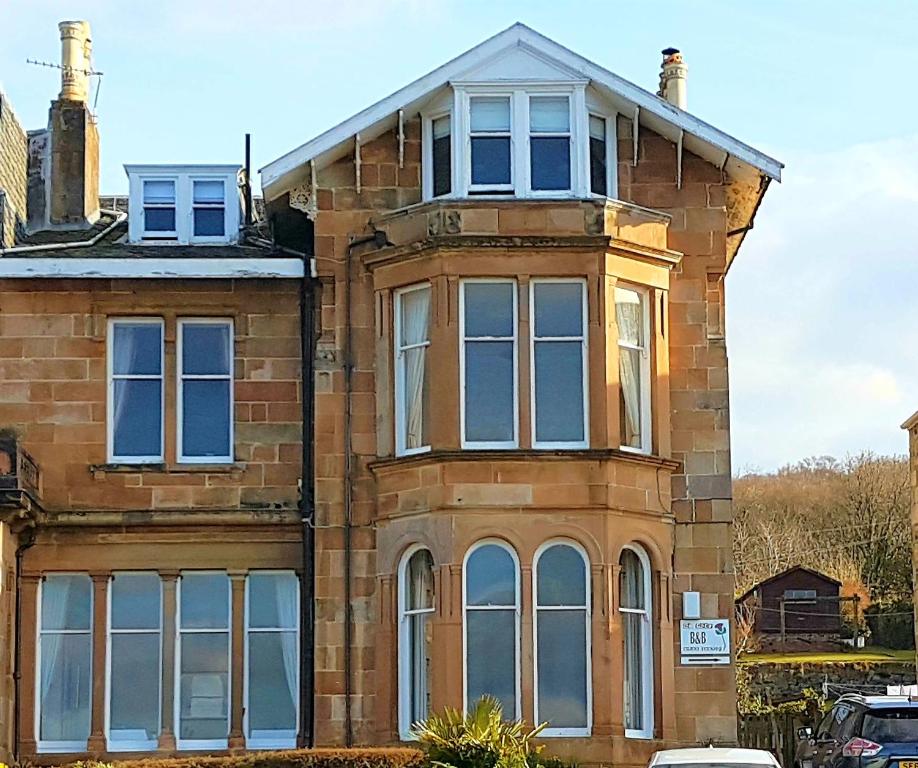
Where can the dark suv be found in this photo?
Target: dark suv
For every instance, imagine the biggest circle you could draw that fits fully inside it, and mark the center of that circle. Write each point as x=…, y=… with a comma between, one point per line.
x=863, y=732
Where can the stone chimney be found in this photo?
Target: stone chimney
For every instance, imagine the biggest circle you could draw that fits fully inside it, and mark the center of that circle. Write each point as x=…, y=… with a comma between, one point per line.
x=72, y=193
x=673, y=77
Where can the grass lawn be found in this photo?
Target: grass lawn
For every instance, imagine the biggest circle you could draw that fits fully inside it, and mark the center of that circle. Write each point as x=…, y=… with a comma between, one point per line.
x=870, y=655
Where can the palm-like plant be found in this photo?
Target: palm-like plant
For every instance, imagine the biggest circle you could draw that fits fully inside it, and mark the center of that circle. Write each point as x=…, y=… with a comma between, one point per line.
x=480, y=738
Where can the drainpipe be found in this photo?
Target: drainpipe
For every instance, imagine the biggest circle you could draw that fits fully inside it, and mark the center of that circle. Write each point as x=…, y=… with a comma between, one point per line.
x=27, y=542
x=348, y=484
x=307, y=500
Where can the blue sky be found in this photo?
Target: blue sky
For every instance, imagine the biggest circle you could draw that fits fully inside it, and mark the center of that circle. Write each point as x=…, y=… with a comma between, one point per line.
x=821, y=312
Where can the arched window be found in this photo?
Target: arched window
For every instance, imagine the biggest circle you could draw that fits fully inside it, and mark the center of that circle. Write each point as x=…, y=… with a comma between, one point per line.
x=491, y=598
x=635, y=599
x=562, y=640
x=416, y=606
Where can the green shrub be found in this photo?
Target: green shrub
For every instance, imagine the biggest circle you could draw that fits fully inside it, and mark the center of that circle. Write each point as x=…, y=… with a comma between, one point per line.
x=892, y=624
x=480, y=738
x=298, y=758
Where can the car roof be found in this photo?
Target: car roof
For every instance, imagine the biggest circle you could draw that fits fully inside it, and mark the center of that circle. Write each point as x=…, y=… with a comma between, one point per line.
x=713, y=756
x=879, y=702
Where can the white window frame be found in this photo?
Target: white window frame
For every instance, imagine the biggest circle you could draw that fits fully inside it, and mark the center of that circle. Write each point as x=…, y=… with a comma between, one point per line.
x=569, y=135
x=509, y=134
x=113, y=458
x=181, y=376
x=646, y=389
x=611, y=154
x=131, y=746
x=647, y=671
x=273, y=743
x=517, y=609
x=490, y=444
x=159, y=234
x=404, y=641
x=586, y=608
x=57, y=747
x=400, y=422
x=209, y=206
x=584, y=374
x=519, y=93
x=194, y=744
x=427, y=165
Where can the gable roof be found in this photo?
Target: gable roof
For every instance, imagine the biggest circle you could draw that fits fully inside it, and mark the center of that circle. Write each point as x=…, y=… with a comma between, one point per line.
x=778, y=576
x=656, y=113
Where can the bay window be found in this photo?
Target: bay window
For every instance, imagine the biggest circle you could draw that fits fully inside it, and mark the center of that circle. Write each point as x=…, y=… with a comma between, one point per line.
x=558, y=319
x=488, y=363
x=549, y=143
x=561, y=635
x=490, y=144
x=632, y=316
x=203, y=661
x=637, y=641
x=272, y=659
x=491, y=597
x=416, y=607
x=134, y=661
x=64, y=662
x=412, y=372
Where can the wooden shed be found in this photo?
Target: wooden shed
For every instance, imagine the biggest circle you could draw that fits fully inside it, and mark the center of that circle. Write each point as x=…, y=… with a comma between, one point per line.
x=809, y=600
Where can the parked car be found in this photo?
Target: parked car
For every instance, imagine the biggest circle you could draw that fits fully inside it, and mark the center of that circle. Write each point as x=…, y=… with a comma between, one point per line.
x=862, y=732
x=714, y=757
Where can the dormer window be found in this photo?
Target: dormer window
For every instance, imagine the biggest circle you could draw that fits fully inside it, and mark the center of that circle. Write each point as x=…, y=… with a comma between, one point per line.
x=441, y=155
x=550, y=143
x=490, y=142
x=183, y=205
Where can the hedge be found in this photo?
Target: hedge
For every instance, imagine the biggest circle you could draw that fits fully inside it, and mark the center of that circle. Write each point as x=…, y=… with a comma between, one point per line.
x=381, y=757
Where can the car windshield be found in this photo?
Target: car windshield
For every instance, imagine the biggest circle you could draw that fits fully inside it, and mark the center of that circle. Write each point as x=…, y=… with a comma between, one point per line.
x=895, y=726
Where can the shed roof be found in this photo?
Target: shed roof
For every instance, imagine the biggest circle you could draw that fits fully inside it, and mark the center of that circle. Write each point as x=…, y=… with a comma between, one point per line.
x=778, y=576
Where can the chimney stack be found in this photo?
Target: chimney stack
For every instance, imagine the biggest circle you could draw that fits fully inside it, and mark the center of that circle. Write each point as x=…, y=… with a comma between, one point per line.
x=72, y=196
x=673, y=77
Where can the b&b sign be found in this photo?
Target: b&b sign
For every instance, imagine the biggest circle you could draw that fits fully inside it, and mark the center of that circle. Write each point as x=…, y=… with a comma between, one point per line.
x=705, y=641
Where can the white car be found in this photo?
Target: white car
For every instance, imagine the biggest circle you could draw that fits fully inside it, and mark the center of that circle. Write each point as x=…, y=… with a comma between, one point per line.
x=713, y=757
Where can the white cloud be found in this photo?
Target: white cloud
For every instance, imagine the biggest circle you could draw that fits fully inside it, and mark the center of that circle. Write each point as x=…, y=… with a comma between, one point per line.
x=822, y=310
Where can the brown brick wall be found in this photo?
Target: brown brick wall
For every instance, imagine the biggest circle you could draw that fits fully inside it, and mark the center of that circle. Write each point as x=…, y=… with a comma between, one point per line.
x=13, y=163
x=53, y=391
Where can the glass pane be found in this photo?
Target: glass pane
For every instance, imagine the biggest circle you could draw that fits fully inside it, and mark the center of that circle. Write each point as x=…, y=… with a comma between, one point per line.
x=208, y=222
x=634, y=662
x=205, y=600
x=159, y=192
x=414, y=320
x=208, y=192
x=135, y=676
x=562, y=668
x=488, y=309
x=203, y=686
x=490, y=115
x=159, y=219
x=137, y=420
x=137, y=348
x=135, y=601
x=559, y=391
x=491, y=658
x=489, y=391
x=551, y=162
x=206, y=348
x=632, y=581
x=66, y=602
x=630, y=405
x=561, y=576
x=416, y=397
x=420, y=637
x=597, y=128
x=558, y=309
x=629, y=315
x=206, y=418
x=442, y=165
x=490, y=577
x=273, y=600
x=273, y=662
x=549, y=114
x=490, y=160
x=419, y=581
x=66, y=687
x=598, y=166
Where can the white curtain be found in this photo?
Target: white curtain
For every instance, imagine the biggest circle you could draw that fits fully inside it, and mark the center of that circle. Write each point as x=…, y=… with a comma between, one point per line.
x=420, y=597
x=125, y=351
x=415, y=321
x=628, y=316
x=285, y=590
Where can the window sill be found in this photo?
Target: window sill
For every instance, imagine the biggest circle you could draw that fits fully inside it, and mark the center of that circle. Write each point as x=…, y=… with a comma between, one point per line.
x=100, y=470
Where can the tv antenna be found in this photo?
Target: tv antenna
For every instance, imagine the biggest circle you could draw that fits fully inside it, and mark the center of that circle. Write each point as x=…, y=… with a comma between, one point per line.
x=87, y=72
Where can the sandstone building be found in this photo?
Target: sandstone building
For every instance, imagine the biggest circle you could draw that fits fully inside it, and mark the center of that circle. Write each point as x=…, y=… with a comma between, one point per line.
x=451, y=419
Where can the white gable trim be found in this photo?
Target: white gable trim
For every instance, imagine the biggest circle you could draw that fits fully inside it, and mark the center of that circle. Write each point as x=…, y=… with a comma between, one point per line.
x=517, y=35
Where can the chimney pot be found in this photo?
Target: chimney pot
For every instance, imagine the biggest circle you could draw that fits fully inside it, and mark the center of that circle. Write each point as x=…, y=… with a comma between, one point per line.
x=673, y=78
x=76, y=60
